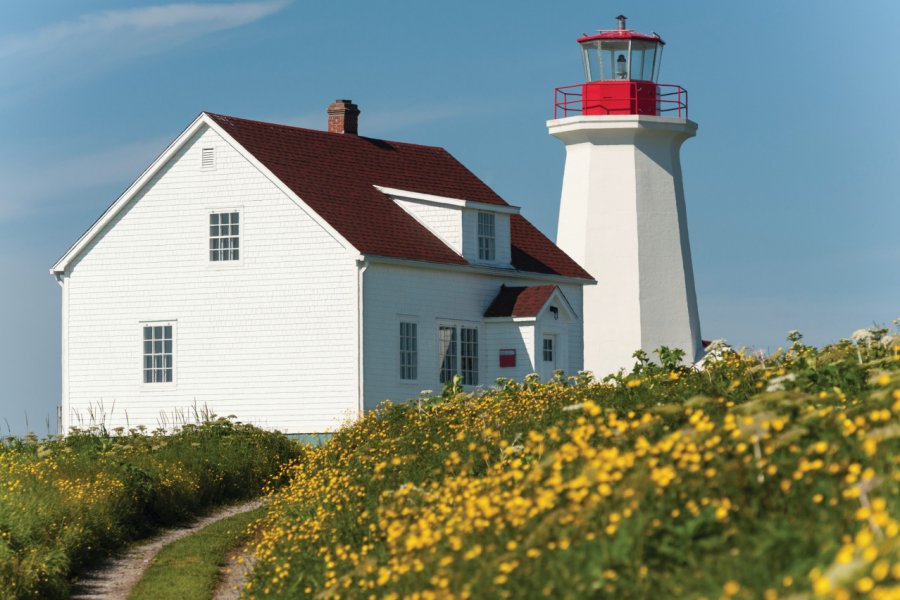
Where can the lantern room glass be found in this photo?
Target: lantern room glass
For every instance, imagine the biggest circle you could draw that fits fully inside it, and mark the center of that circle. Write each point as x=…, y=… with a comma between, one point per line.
x=618, y=59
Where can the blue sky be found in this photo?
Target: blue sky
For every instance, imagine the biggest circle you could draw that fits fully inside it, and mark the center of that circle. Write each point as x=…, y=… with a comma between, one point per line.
x=791, y=182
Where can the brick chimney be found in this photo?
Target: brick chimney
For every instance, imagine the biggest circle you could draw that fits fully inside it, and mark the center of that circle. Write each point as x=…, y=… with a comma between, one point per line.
x=343, y=117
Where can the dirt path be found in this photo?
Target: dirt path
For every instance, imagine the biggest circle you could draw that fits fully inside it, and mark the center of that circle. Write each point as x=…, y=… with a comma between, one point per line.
x=234, y=573
x=114, y=580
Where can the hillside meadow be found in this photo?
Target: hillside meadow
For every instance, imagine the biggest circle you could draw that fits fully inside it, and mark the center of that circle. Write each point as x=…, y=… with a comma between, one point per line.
x=66, y=503
x=752, y=477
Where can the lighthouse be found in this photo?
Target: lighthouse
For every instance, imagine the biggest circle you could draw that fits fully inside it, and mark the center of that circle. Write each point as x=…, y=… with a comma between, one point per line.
x=622, y=211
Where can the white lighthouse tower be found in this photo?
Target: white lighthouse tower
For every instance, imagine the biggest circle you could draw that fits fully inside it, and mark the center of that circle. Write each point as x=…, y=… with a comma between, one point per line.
x=622, y=213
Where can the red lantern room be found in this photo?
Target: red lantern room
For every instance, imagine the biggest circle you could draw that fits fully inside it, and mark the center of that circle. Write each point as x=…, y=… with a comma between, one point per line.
x=621, y=69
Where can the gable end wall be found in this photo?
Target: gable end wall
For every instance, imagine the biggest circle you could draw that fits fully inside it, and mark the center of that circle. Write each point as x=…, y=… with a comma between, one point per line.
x=271, y=340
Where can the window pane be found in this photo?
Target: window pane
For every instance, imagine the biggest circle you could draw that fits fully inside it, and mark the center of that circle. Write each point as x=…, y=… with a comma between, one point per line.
x=234, y=230
x=649, y=59
x=157, y=333
x=214, y=219
x=408, y=357
x=234, y=217
x=148, y=362
x=615, y=59
x=148, y=376
x=486, y=238
x=637, y=59
x=223, y=219
x=469, y=355
x=167, y=330
x=147, y=332
x=591, y=58
x=447, y=347
x=168, y=375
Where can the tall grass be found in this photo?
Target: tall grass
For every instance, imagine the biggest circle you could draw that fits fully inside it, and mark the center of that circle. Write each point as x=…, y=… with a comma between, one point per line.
x=64, y=503
x=752, y=478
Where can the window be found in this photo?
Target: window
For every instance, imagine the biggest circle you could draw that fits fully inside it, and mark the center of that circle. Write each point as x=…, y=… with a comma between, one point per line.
x=158, y=354
x=409, y=360
x=468, y=355
x=224, y=236
x=487, y=241
x=447, y=344
x=548, y=349
x=458, y=357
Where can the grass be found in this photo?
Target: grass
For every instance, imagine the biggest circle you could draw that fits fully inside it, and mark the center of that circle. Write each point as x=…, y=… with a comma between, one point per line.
x=65, y=503
x=189, y=568
x=752, y=478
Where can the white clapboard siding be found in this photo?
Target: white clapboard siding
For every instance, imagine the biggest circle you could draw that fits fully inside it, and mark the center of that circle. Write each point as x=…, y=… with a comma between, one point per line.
x=270, y=339
x=427, y=296
x=444, y=221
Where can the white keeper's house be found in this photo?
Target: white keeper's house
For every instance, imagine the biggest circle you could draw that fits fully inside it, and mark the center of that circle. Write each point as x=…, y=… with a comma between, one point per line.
x=296, y=278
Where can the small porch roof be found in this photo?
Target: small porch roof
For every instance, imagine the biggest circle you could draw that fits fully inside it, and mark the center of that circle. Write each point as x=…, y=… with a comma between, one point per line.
x=527, y=302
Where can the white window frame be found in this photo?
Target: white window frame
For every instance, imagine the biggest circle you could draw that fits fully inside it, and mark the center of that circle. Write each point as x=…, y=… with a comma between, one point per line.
x=155, y=385
x=549, y=337
x=486, y=235
x=240, y=237
x=408, y=321
x=457, y=358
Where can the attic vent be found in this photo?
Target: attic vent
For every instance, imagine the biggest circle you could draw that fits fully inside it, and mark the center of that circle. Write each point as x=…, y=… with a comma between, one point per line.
x=207, y=159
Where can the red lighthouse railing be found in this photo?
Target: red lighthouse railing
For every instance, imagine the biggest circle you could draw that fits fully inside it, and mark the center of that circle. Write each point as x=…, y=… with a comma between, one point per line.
x=621, y=98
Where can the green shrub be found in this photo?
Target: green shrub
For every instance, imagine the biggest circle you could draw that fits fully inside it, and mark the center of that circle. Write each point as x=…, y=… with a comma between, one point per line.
x=64, y=503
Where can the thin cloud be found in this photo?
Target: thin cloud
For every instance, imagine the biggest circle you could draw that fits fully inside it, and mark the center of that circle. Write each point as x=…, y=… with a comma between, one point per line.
x=33, y=187
x=97, y=42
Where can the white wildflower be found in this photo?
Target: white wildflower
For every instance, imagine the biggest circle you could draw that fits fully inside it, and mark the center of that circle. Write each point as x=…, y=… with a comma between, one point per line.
x=861, y=335
x=777, y=384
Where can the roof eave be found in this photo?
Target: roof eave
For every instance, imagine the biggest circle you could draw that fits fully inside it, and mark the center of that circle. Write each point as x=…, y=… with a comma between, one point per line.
x=497, y=271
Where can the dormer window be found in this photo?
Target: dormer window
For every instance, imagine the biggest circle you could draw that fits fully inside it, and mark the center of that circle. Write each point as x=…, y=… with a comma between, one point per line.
x=487, y=239
x=477, y=231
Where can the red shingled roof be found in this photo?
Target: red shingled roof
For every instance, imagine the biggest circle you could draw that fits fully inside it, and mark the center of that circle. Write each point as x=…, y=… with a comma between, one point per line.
x=335, y=173
x=520, y=301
